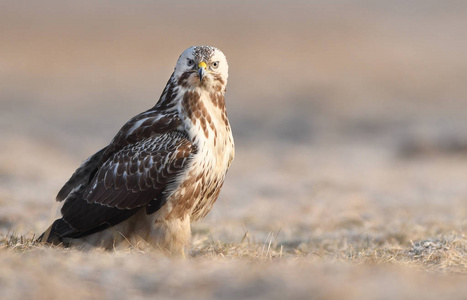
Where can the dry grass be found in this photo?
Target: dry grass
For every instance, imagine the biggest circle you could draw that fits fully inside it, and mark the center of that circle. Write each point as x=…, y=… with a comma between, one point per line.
x=263, y=270
x=445, y=253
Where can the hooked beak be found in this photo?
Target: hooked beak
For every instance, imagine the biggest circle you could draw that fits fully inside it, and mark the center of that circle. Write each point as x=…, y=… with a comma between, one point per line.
x=201, y=70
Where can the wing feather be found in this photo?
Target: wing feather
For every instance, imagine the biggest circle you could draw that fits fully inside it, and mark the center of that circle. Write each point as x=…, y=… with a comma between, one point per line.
x=124, y=184
x=115, y=182
x=81, y=176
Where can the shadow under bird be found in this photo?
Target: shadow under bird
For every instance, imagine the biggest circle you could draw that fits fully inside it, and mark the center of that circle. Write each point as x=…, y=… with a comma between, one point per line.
x=162, y=171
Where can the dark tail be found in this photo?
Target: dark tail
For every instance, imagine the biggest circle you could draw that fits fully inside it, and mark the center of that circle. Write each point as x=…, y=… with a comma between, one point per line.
x=55, y=233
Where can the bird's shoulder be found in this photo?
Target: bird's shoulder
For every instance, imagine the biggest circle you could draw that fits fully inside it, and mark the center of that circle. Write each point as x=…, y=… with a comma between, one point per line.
x=145, y=167
x=152, y=122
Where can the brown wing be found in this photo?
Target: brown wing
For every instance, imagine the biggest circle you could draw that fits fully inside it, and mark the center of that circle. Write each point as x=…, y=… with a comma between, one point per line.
x=135, y=176
x=142, y=126
x=81, y=176
x=133, y=171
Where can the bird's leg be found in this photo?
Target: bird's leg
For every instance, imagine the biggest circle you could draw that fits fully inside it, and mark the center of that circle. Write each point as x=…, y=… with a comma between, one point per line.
x=172, y=236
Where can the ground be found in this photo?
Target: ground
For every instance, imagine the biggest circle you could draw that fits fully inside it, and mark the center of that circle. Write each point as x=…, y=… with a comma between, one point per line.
x=350, y=122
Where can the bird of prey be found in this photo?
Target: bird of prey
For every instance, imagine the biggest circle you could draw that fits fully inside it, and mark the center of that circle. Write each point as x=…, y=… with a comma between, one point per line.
x=162, y=171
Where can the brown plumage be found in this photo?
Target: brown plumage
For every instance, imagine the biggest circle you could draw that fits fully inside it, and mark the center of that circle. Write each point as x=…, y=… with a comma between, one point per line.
x=163, y=170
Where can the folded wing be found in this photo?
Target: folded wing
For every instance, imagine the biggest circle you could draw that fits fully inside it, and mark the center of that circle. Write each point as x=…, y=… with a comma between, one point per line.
x=139, y=175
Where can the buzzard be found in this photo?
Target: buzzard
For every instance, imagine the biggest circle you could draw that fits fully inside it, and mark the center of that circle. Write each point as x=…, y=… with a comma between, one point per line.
x=162, y=171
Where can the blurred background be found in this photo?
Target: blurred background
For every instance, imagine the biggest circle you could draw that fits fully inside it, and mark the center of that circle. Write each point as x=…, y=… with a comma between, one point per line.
x=348, y=116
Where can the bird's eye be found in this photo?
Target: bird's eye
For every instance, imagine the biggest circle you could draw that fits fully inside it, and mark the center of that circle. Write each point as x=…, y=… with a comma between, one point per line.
x=190, y=62
x=215, y=65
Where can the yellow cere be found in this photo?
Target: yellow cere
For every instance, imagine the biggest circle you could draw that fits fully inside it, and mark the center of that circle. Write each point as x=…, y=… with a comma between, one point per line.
x=202, y=65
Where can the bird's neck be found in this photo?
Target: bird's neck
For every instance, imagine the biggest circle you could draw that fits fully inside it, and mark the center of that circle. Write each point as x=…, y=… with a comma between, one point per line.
x=205, y=117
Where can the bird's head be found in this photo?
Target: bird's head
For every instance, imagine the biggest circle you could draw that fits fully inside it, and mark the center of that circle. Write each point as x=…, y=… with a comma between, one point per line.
x=202, y=66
